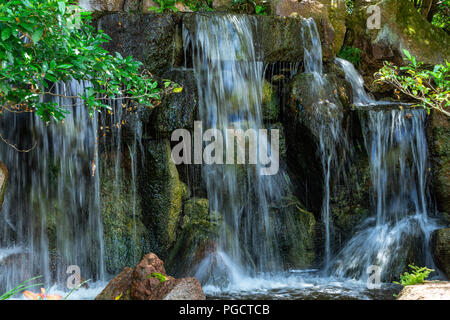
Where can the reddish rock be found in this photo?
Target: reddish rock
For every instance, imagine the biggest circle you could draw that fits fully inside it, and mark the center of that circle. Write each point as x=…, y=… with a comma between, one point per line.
x=118, y=287
x=139, y=284
x=3, y=180
x=143, y=286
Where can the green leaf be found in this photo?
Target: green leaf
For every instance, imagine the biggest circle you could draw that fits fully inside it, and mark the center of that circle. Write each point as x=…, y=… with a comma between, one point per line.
x=37, y=35
x=6, y=33
x=62, y=7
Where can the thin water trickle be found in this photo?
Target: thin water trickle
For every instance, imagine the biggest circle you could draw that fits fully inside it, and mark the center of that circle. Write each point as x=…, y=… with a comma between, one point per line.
x=326, y=122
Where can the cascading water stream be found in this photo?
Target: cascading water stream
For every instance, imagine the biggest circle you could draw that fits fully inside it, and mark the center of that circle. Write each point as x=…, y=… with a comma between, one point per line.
x=396, y=144
x=326, y=122
x=397, y=148
x=230, y=93
x=51, y=214
x=254, y=220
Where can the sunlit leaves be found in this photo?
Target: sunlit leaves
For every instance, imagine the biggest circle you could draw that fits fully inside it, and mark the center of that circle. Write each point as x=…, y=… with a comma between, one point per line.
x=430, y=87
x=48, y=41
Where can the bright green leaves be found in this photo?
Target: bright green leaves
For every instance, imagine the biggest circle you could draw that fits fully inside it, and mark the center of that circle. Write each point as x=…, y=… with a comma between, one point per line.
x=48, y=41
x=37, y=35
x=417, y=276
x=430, y=87
x=6, y=33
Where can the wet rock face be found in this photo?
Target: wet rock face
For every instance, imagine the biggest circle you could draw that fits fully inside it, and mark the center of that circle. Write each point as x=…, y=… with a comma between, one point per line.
x=162, y=194
x=177, y=110
x=441, y=250
x=150, y=38
x=125, y=236
x=330, y=19
x=439, y=145
x=3, y=180
x=194, y=242
x=144, y=283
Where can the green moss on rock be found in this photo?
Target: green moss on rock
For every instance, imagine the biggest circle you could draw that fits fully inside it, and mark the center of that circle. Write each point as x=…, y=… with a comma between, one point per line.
x=198, y=229
x=270, y=106
x=439, y=141
x=125, y=236
x=162, y=195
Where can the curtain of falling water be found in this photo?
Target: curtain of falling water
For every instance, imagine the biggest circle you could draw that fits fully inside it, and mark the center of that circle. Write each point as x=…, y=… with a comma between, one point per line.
x=326, y=121
x=397, y=148
x=51, y=215
x=230, y=93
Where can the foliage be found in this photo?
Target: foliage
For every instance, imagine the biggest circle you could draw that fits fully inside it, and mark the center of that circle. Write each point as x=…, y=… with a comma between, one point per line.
x=48, y=41
x=164, y=6
x=170, y=5
x=350, y=5
x=199, y=5
x=435, y=11
x=162, y=278
x=351, y=54
x=249, y=7
x=430, y=87
x=418, y=275
x=23, y=286
x=441, y=18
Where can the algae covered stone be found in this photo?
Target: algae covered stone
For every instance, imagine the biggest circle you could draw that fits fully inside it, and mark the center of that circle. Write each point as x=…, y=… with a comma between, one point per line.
x=162, y=195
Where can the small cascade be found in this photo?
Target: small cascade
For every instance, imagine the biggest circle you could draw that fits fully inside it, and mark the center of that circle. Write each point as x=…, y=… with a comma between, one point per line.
x=327, y=120
x=360, y=96
x=400, y=226
x=51, y=216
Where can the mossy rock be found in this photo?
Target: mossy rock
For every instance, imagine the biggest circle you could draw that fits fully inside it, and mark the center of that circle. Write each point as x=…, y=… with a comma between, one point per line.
x=441, y=249
x=126, y=238
x=152, y=38
x=162, y=195
x=401, y=27
x=270, y=107
x=295, y=232
x=197, y=232
x=439, y=145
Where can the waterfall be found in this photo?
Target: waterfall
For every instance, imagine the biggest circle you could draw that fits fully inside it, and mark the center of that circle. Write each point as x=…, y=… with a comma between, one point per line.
x=326, y=122
x=397, y=148
x=230, y=82
x=51, y=215
x=360, y=96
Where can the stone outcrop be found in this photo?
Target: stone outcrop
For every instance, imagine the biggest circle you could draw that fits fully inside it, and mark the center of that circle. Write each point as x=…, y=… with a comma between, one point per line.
x=162, y=195
x=194, y=240
x=427, y=291
x=401, y=27
x=3, y=181
x=149, y=281
x=125, y=236
x=330, y=18
x=439, y=146
x=153, y=38
x=441, y=250
x=119, y=287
